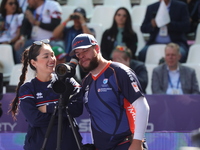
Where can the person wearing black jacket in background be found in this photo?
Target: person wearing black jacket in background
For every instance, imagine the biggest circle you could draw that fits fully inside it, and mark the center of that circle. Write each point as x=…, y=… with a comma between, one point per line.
x=123, y=55
x=120, y=33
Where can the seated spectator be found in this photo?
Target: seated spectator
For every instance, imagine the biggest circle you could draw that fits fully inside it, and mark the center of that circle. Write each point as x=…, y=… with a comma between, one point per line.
x=123, y=55
x=11, y=21
x=120, y=33
x=40, y=20
x=60, y=54
x=173, y=78
x=175, y=31
x=67, y=34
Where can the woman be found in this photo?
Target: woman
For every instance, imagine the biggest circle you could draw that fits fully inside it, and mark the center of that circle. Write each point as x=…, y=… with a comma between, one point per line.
x=37, y=100
x=120, y=33
x=11, y=20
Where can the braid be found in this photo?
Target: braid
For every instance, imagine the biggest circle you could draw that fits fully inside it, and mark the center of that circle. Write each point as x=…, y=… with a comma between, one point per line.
x=15, y=101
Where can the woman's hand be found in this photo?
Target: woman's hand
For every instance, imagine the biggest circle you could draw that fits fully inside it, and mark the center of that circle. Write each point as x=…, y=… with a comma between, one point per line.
x=43, y=109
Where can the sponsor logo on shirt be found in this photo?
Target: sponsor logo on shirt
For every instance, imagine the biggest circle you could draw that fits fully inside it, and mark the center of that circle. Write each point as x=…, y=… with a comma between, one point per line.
x=105, y=87
x=135, y=86
x=39, y=95
x=130, y=74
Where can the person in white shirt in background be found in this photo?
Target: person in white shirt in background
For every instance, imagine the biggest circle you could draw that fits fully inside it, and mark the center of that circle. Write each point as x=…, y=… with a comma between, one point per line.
x=41, y=18
x=10, y=21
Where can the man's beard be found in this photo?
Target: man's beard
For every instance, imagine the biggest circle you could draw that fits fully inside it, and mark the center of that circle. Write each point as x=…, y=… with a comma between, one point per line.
x=93, y=64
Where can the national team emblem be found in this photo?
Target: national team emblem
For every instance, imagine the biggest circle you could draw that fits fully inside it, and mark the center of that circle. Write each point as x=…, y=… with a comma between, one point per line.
x=105, y=81
x=135, y=86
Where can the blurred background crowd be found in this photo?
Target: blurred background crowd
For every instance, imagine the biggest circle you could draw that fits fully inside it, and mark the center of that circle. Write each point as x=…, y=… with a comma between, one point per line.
x=134, y=32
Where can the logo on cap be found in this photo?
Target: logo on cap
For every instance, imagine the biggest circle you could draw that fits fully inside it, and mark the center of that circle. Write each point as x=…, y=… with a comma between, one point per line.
x=77, y=42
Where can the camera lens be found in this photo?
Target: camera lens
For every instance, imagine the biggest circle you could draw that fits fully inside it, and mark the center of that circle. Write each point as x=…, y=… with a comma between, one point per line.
x=61, y=70
x=74, y=17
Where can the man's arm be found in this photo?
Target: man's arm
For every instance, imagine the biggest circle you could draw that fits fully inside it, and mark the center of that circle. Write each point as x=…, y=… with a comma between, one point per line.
x=142, y=114
x=155, y=85
x=148, y=24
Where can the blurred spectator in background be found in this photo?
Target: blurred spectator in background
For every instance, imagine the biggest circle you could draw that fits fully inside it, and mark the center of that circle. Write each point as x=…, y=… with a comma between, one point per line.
x=175, y=31
x=120, y=33
x=67, y=34
x=194, y=10
x=123, y=55
x=23, y=4
x=173, y=78
x=40, y=20
x=59, y=54
x=10, y=21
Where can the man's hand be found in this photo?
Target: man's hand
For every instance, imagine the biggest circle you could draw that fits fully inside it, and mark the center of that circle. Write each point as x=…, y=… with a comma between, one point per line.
x=30, y=17
x=153, y=23
x=18, y=44
x=136, y=145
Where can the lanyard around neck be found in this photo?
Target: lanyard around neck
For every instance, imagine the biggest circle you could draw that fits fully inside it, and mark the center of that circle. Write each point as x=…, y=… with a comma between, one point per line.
x=7, y=25
x=170, y=82
x=40, y=16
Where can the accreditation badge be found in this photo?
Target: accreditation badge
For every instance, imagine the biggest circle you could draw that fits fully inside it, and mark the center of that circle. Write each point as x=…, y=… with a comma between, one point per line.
x=34, y=32
x=163, y=31
x=175, y=91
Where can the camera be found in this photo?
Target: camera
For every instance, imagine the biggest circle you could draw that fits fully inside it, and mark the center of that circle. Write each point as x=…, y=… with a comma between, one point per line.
x=74, y=17
x=64, y=71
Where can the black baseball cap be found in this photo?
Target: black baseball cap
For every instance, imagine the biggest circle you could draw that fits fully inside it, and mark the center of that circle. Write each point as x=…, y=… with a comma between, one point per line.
x=81, y=11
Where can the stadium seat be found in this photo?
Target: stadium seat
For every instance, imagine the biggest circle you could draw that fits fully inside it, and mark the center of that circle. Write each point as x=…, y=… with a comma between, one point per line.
x=147, y=2
x=196, y=67
x=138, y=13
x=98, y=31
x=6, y=60
x=141, y=40
x=150, y=68
x=17, y=71
x=103, y=15
x=15, y=74
x=66, y=11
x=197, y=38
x=86, y=4
x=118, y=3
x=193, y=54
x=154, y=53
